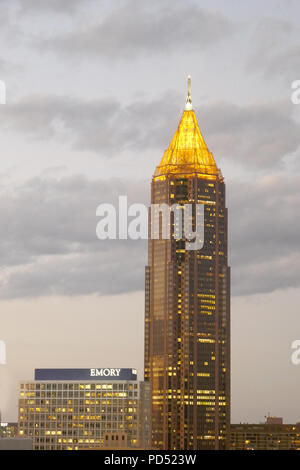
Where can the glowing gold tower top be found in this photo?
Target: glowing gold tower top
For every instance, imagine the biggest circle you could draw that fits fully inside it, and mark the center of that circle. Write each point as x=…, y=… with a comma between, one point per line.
x=188, y=154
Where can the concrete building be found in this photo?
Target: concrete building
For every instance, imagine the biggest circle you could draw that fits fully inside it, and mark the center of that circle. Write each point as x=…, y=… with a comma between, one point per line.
x=80, y=408
x=271, y=435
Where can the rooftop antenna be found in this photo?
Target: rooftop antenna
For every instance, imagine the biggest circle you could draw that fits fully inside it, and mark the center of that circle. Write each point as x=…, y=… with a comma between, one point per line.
x=188, y=103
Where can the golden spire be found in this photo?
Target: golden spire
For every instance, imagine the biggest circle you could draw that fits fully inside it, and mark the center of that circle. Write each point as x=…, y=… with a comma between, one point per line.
x=188, y=104
x=188, y=154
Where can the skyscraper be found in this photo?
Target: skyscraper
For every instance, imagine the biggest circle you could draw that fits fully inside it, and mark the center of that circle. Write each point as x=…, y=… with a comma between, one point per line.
x=187, y=301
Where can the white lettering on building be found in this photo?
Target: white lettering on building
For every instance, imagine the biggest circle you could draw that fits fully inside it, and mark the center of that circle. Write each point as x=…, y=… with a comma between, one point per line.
x=105, y=372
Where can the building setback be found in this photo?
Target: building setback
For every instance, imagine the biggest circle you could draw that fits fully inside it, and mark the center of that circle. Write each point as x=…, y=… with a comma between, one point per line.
x=70, y=409
x=187, y=303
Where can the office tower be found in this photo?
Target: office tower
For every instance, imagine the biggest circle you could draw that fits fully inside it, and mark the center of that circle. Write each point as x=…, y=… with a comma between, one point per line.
x=271, y=435
x=70, y=409
x=187, y=300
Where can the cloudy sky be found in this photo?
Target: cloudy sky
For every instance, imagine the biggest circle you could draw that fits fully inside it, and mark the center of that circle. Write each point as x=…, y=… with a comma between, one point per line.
x=95, y=91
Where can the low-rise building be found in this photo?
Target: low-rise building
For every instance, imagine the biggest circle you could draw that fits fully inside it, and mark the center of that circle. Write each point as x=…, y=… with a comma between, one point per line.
x=8, y=430
x=271, y=435
x=76, y=408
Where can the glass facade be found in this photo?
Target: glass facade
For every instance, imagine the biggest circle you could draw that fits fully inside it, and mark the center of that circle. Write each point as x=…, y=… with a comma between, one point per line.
x=74, y=415
x=187, y=310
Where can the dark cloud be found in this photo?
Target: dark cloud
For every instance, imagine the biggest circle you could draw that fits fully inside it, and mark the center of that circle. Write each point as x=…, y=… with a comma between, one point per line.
x=10, y=32
x=275, y=49
x=264, y=234
x=4, y=67
x=137, y=28
x=56, y=6
x=102, y=126
x=114, y=271
x=49, y=245
x=257, y=136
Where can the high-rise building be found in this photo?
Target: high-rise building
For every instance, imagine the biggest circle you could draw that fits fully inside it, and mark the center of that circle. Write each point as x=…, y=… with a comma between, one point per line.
x=70, y=409
x=187, y=303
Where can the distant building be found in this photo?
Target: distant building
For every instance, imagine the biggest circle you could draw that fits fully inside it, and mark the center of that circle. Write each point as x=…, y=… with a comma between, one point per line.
x=274, y=420
x=70, y=409
x=8, y=430
x=271, y=435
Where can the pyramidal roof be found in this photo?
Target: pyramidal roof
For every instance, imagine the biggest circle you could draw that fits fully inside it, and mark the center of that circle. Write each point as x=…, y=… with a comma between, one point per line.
x=188, y=153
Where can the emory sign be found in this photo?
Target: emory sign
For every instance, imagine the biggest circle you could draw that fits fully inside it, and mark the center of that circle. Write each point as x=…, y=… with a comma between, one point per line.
x=95, y=374
x=105, y=372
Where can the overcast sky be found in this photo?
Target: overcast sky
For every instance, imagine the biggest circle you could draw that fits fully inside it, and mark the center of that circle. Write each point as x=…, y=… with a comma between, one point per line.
x=95, y=91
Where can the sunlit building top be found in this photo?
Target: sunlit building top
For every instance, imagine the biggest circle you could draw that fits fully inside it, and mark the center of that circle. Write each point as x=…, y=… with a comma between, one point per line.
x=188, y=153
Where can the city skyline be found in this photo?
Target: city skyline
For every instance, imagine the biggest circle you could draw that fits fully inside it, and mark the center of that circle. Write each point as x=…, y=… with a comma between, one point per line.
x=93, y=95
